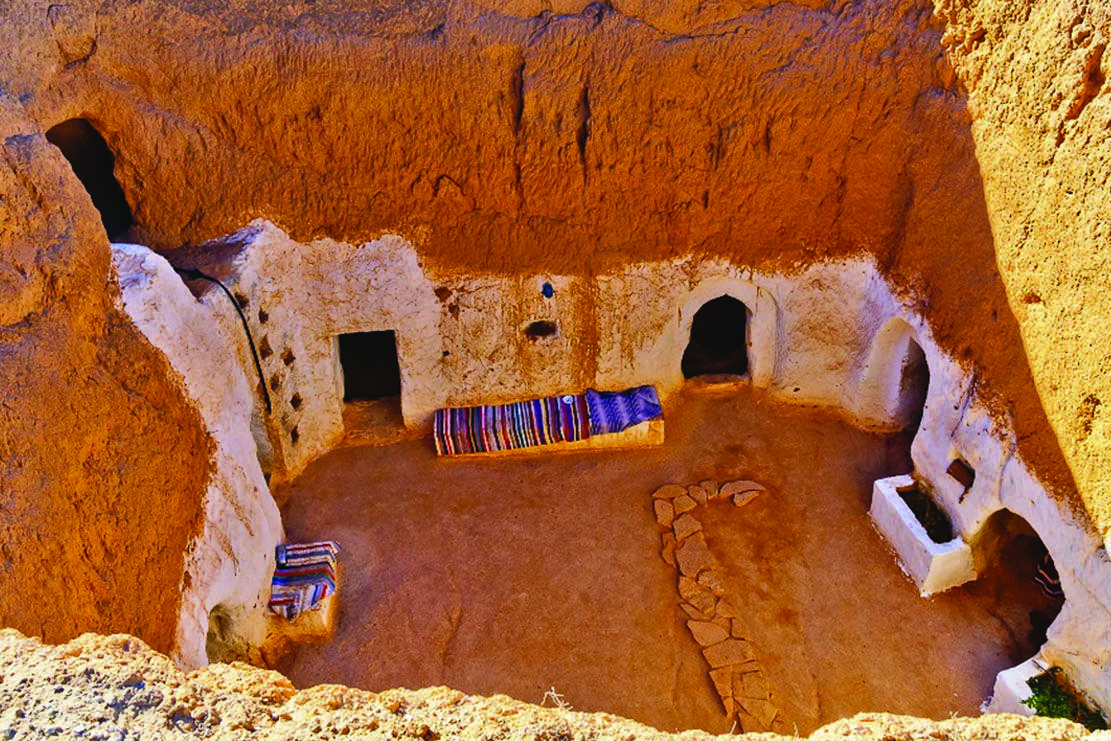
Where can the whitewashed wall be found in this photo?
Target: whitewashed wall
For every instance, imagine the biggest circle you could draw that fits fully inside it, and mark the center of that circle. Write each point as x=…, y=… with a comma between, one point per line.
x=229, y=564
x=832, y=334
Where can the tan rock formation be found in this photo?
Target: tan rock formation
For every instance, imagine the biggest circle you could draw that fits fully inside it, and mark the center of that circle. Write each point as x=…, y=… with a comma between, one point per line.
x=109, y=687
x=1035, y=72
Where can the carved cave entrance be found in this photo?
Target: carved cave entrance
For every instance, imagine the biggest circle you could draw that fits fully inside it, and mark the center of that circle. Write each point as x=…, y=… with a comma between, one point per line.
x=370, y=367
x=1016, y=565
x=718, y=340
x=94, y=165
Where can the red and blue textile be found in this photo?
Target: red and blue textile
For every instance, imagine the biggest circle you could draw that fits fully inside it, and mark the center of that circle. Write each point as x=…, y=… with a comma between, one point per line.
x=554, y=419
x=522, y=424
x=304, y=575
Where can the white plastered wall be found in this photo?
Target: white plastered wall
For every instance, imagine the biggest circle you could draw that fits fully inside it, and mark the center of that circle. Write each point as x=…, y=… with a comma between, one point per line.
x=832, y=334
x=310, y=294
x=644, y=315
x=229, y=564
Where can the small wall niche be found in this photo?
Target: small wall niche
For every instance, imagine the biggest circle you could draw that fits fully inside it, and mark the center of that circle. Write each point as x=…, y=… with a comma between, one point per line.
x=541, y=329
x=963, y=473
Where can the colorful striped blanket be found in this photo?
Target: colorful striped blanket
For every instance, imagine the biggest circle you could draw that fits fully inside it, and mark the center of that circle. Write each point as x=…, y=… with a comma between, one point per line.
x=523, y=424
x=553, y=419
x=304, y=575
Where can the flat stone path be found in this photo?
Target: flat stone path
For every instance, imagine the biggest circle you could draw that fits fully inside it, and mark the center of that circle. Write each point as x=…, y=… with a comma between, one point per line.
x=520, y=576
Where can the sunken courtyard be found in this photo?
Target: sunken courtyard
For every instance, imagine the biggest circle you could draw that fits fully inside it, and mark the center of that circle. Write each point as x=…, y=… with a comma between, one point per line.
x=550, y=369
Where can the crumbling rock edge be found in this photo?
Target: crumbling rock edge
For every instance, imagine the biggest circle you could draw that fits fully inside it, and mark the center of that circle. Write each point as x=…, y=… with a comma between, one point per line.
x=109, y=687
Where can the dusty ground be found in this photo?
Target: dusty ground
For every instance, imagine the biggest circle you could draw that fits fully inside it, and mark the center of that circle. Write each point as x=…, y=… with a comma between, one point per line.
x=515, y=576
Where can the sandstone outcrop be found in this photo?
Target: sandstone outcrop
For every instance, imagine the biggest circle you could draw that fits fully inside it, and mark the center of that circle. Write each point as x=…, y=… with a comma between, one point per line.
x=1036, y=79
x=112, y=687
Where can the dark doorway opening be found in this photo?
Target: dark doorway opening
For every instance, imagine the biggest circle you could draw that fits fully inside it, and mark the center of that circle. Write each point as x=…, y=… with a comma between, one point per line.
x=369, y=363
x=94, y=165
x=914, y=385
x=718, y=342
x=1014, y=564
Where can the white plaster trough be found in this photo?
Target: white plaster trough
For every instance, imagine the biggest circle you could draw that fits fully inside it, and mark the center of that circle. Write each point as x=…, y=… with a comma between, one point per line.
x=1011, y=688
x=934, y=567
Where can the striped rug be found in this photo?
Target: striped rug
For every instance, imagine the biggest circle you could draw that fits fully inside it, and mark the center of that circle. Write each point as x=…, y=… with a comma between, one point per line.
x=304, y=575
x=522, y=424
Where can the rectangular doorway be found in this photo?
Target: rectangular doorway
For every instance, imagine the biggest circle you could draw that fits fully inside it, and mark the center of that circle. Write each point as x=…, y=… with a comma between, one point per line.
x=369, y=364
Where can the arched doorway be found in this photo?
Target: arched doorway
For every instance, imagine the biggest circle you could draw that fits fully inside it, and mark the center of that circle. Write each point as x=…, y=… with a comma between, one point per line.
x=1018, y=573
x=914, y=383
x=718, y=340
x=94, y=165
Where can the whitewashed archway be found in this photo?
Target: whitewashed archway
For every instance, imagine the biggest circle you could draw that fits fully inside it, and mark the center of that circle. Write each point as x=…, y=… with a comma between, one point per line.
x=760, y=326
x=881, y=398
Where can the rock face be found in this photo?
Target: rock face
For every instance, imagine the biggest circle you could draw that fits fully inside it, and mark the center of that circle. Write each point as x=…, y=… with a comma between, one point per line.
x=229, y=564
x=109, y=687
x=568, y=138
x=103, y=463
x=1036, y=75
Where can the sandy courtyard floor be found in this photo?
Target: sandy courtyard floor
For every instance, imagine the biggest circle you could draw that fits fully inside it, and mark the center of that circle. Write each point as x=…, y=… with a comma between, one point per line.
x=518, y=576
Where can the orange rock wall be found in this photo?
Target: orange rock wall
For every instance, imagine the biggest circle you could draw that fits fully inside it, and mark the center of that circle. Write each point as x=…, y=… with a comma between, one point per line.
x=530, y=138
x=102, y=462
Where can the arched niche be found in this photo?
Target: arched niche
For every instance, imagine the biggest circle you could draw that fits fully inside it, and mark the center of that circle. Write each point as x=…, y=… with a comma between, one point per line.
x=896, y=379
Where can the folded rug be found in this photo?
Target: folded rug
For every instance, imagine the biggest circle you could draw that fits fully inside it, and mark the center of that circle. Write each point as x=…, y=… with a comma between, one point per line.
x=614, y=411
x=304, y=576
x=522, y=424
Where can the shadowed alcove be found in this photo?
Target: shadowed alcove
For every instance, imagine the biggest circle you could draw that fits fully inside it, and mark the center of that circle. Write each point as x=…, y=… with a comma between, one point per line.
x=370, y=367
x=914, y=385
x=93, y=163
x=718, y=340
x=1015, y=567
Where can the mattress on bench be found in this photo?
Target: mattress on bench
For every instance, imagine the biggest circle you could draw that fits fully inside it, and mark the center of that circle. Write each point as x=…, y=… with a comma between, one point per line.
x=593, y=419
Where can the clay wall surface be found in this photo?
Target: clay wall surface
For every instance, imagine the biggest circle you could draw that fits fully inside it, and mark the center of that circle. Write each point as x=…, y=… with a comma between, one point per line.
x=528, y=139
x=103, y=462
x=1036, y=75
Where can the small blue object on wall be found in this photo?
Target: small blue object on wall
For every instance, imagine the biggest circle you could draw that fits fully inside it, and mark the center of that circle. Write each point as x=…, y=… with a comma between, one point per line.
x=547, y=290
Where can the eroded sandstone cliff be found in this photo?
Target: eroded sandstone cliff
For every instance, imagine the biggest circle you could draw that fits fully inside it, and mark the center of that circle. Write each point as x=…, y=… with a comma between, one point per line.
x=1036, y=74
